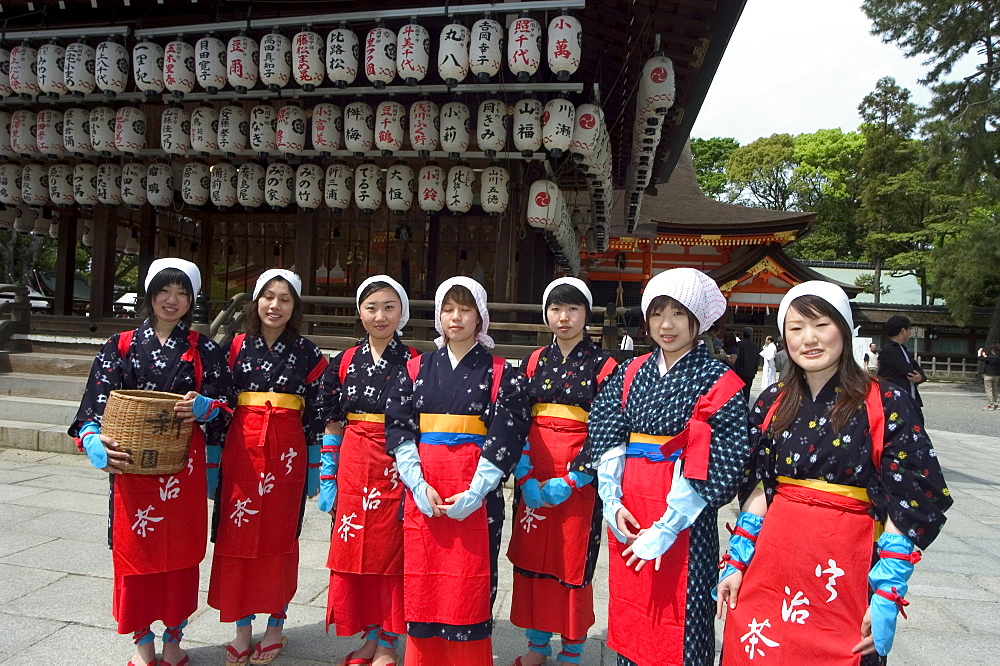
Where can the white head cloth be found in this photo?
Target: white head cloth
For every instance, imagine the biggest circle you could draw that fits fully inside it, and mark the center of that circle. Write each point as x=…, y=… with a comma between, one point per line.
x=183, y=265
x=692, y=289
x=828, y=291
x=571, y=281
x=478, y=293
x=398, y=288
x=268, y=275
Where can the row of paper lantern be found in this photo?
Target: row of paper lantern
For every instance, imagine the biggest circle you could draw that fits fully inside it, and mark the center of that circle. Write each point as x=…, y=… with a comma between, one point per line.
x=252, y=185
x=25, y=220
x=654, y=99
x=306, y=58
x=547, y=211
x=358, y=128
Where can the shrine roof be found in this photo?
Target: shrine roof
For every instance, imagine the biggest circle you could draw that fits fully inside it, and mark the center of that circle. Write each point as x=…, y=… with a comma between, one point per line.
x=744, y=261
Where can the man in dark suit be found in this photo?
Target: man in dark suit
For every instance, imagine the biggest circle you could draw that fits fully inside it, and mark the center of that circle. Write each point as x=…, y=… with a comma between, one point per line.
x=895, y=362
x=747, y=360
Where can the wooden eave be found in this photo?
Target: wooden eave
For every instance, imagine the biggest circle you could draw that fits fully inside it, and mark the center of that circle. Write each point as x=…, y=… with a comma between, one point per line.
x=740, y=267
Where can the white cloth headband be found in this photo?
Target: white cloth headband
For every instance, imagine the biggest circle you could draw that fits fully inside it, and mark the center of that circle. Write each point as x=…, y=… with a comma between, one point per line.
x=478, y=293
x=398, y=288
x=571, y=281
x=268, y=275
x=828, y=291
x=692, y=289
x=183, y=265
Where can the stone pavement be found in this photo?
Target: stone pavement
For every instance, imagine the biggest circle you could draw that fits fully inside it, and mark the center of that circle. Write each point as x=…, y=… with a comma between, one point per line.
x=55, y=574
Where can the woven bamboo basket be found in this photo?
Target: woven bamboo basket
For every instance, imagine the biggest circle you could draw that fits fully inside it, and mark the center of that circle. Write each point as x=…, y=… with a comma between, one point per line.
x=144, y=424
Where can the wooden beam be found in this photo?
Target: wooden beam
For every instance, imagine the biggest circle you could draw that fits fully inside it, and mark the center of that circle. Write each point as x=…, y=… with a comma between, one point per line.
x=102, y=269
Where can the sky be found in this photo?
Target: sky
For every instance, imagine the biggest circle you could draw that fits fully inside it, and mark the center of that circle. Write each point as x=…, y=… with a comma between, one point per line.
x=795, y=66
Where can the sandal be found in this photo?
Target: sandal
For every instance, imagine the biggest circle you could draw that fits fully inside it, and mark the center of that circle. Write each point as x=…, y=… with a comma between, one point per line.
x=152, y=663
x=182, y=662
x=267, y=648
x=239, y=657
x=351, y=659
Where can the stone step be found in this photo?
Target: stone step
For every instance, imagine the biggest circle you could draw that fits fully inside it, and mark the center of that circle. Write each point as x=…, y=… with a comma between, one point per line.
x=33, y=385
x=35, y=436
x=39, y=410
x=76, y=365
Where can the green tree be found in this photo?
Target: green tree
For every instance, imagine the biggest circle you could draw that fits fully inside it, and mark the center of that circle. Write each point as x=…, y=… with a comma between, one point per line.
x=710, y=157
x=761, y=173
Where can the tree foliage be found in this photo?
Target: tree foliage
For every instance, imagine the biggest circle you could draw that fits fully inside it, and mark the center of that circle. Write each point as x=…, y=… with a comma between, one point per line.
x=710, y=157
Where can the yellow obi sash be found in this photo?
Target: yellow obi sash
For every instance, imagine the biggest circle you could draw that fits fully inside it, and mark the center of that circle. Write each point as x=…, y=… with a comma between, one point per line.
x=558, y=411
x=853, y=492
x=458, y=423
x=260, y=399
x=643, y=438
x=371, y=418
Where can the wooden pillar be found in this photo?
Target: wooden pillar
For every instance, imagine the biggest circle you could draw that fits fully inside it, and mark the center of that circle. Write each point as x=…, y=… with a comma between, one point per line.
x=102, y=269
x=65, y=266
x=203, y=257
x=147, y=244
x=432, y=249
x=305, y=250
x=504, y=266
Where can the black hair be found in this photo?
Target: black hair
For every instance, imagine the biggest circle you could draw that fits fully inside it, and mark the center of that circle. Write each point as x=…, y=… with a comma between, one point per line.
x=251, y=316
x=747, y=332
x=896, y=324
x=378, y=285
x=165, y=278
x=567, y=294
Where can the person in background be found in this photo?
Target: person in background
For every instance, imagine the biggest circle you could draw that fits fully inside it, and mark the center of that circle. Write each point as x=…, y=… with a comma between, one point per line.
x=781, y=359
x=768, y=353
x=991, y=375
x=871, y=358
x=897, y=365
x=731, y=346
x=747, y=359
x=713, y=344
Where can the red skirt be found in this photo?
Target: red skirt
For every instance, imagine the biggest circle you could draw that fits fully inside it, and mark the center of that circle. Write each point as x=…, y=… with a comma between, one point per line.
x=441, y=652
x=806, y=591
x=547, y=605
x=356, y=601
x=242, y=586
x=170, y=597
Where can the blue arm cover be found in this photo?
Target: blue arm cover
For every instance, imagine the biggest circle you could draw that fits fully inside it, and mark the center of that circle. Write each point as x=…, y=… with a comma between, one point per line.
x=684, y=505
x=203, y=410
x=90, y=437
x=213, y=458
x=530, y=494
x=741, y=548
x=890, y=576
x=329, y=463
x=558, y=490
x=312, y=471
x=408, y=465
x=486, y=478
x=609, y=487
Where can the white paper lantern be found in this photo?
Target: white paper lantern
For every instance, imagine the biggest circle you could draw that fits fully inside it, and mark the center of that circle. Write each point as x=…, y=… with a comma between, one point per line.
x=657, y=87
x=491, y=126
x=399, y=187
x=380, y=56
x=24, y=222
x=586, y=130
x=338, y=186
x=60, y=182
x=109, y=184
x=76, y=132
x=557, y=126
x=565, y=46
x=342, y=56
x=223, y=183
x=453, y=54
x=290, y=133
x=390, y=122
x=210, y=63
x=524, y=47
x=6, y=149
x=359, y=128
x=425, y=127
x=430, y=188
x=24, y=71
x=160, y=185
x=543, y=204
x=10, y=183
x=111, y=68
x=308, y=66
x=122, y=239
x=242, y=57
x=147, y=67
x=5, y=89
x=413, y=44
x=327, y=126
x=132, y=244
x=23, y=132
x=250, y=185
x=494, y=190
x=458, y=189
x=54, y=231
x=278, y=183
x=234, y=126
x=49, y=133
x=275, y=60
x=85, y=184
x=455, y=128
x=178, y=68
x=102, y=130
x=42, y=223
x=130, y=130
x=263, y=125
x=35, y=184
x=205, y=130
x=196, y=184
x=134, y=184
x=175, y=131
x=78, y=74
x=50, y=69
x=485, y=49
x=309, y=186
x=7, y=217
x=368, y=187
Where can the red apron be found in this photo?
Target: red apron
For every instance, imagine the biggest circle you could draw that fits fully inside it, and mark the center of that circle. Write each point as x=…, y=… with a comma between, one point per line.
x=554, y=541
x=263, y=476
x=160, y=523
x=805, y=604
x=370, y=496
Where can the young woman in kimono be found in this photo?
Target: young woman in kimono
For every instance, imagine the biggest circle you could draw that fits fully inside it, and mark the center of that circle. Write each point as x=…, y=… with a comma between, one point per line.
x=158, y=526
x=557, y=528
x=269, y=464
x=668, y=438
x=359, y=485
x=456, y=423
x=832, y=448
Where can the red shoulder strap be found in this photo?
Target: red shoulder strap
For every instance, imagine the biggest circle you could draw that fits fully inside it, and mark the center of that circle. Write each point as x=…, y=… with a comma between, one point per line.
x=724, y=388
x=192, y=355
x=234, y=349
x=124, y=342
x=413, y=368
x=532, y=365
x=413, y=352
x=630, y=370
x=876, y=423
x=345, y=363
x=606, y=370
x=498, y=363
